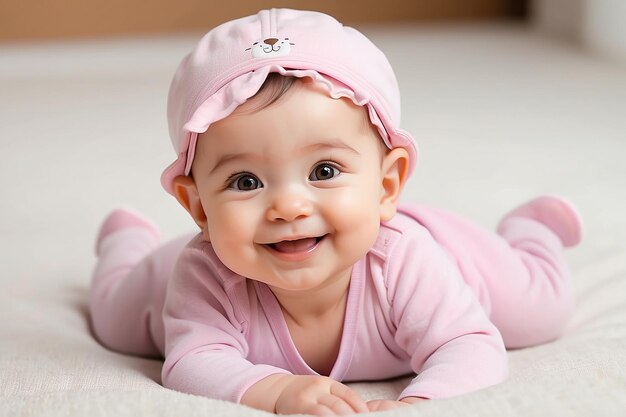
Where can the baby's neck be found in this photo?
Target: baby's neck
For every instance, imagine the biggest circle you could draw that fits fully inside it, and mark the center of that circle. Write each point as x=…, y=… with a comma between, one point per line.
x=315, y=304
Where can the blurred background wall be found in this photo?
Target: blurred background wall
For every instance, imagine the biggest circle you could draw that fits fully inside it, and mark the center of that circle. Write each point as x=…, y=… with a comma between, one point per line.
x=598, y=25
x=37, y=19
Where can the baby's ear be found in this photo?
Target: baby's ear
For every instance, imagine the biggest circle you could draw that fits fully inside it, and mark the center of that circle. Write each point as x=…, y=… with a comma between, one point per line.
x=395, y=169
x=186, y=192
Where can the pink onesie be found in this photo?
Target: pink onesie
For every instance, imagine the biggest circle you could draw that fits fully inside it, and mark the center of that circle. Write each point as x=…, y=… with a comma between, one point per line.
x=436, y=295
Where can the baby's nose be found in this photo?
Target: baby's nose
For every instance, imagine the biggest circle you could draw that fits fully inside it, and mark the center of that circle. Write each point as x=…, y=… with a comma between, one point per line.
x=289, y=207
x=270, y=41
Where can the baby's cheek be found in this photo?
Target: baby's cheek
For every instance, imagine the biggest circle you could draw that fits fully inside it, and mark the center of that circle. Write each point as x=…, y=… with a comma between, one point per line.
x=228, y=228
x=356, y=217
x=356, y=207
x=235, y=253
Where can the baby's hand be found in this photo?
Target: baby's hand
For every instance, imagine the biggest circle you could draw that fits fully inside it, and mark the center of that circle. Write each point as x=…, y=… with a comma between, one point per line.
x=318, y=395
x=380, y=405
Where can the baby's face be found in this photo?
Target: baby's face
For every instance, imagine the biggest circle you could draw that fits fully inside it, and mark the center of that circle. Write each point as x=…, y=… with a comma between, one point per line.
x=291, y=193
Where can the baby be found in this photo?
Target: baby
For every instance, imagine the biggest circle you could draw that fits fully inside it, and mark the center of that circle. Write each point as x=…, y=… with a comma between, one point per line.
x=306, y=272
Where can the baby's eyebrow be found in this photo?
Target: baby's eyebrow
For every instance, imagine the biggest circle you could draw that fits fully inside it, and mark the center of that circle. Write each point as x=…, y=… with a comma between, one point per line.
x=224, y=159
x=330, y=144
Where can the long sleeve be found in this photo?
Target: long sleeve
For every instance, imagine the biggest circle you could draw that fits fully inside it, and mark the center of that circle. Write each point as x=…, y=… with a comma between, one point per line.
x=453, y=346
x=205, y=346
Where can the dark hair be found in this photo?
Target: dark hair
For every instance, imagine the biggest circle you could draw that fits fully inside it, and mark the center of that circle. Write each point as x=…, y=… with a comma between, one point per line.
x=274, y=87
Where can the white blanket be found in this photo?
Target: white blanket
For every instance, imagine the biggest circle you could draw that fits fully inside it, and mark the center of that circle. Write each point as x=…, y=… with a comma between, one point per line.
x=500, y=115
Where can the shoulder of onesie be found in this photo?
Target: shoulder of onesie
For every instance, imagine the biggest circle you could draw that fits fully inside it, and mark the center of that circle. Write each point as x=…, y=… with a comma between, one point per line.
x=198, y=269
x=401, y=229
x=199, y=253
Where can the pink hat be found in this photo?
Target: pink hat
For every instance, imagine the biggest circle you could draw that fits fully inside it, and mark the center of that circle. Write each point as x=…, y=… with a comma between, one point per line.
x=232, y=61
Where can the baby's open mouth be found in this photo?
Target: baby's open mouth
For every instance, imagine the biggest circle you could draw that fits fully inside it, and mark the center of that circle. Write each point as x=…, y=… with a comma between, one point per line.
x=295, y=246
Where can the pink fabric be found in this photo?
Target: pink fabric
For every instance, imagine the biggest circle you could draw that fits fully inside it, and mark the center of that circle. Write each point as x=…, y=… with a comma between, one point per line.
x=424, y=299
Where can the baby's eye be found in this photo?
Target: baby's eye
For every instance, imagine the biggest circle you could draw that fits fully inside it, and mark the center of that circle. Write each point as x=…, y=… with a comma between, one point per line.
x=245, y=182
x=323, y=171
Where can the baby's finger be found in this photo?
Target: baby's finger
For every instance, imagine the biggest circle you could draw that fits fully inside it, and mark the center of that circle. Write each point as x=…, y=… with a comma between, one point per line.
x=349, y=396
x=320, y=410
x=374, y=405
x=382, y=405
x=336, y=404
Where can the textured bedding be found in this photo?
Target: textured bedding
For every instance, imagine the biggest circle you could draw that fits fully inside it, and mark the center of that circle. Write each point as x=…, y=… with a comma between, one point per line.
x=500, y=114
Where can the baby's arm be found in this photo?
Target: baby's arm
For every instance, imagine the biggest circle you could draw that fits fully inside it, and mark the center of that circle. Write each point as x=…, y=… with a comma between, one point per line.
x=454, y=347
x=205, y=347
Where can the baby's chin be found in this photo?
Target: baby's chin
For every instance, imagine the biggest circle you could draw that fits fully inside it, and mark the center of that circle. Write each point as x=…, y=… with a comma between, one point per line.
x=293, y=283
x=305, y=281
